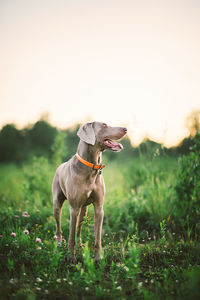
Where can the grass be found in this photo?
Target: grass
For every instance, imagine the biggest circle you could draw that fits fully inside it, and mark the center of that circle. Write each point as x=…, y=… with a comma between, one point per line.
x=150, y=251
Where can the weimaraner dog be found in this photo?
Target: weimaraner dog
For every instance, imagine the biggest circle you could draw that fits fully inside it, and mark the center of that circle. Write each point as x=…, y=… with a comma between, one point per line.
x=79, y=180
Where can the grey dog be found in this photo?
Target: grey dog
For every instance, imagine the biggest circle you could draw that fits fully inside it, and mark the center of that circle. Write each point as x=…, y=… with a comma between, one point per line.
x=79, y=180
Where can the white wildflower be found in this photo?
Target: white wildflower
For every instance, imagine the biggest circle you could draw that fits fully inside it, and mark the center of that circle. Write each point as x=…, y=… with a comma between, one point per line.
x=126, y=268
x=135, y=265
x=13, y=280
x=140, y=284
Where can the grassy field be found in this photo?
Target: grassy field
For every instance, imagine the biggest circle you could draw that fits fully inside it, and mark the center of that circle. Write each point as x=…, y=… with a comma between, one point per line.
x=150, y=236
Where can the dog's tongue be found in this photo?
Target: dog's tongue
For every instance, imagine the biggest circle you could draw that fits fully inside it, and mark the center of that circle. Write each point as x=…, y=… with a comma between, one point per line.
x=114, y=145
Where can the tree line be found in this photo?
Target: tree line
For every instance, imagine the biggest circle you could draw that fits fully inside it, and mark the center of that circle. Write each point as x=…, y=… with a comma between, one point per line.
x=20, y=145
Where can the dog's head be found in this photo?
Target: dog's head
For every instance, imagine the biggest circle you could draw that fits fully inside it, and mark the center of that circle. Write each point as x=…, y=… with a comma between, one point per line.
x=101, y=135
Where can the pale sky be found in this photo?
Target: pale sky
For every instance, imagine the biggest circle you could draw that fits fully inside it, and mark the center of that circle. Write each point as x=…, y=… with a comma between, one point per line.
x=130, y=63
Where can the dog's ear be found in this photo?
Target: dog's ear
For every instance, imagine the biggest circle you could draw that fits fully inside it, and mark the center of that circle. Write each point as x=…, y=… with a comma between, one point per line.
x=86, y=133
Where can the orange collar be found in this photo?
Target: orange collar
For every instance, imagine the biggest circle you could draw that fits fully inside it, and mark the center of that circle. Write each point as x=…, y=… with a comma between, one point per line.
x=92, y=166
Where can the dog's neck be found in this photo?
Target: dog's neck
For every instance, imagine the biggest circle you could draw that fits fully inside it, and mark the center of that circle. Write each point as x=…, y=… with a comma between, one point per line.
x=90, y=153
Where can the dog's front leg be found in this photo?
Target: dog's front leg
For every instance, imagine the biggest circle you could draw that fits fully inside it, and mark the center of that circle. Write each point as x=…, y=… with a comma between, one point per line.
x=83, y=213
x=74, y=213
x=98, y=220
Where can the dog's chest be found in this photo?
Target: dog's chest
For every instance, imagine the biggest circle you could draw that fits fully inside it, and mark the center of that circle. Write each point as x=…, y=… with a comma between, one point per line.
x=89, y=193
x=90, y=186
x=88, y=190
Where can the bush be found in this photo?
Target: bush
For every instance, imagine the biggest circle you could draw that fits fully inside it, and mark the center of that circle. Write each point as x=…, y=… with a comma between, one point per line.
x=188, y=187
x=37, y=184
x=39, y=174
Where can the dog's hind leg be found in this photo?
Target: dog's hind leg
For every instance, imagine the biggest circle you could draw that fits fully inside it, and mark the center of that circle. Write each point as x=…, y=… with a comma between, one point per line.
x=58, y=200
x=57, y=208
x=74, y=215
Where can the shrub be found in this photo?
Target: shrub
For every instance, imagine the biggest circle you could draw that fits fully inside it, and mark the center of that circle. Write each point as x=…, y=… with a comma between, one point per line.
x=37, y=184
x=188, y=187
x=39, y=174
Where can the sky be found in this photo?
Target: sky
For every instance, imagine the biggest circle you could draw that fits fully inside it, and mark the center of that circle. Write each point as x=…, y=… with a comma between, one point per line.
x=128, y=63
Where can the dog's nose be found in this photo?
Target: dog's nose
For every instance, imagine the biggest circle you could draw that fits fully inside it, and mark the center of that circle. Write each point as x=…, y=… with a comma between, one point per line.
x=125, y=130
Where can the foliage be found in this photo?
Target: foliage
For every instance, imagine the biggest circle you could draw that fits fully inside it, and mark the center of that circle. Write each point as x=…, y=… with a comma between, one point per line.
x=39, y=173
x=59, y=148
x=188, y=188
x=150, y=235
x=42, y=136
x=193, y=122
x=37, y=183
x=38, y=139
x=10, y=142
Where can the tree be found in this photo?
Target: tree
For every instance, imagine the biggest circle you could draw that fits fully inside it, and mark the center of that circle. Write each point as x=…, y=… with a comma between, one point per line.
x=193, y=122
x=42, y=136
x=11, y=144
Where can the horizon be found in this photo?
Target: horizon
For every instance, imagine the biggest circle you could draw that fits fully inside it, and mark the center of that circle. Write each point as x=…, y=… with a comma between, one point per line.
x=121, y=62
x=45, y=118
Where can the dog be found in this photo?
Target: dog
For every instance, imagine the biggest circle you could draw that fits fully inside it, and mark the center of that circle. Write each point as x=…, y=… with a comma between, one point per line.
x=80, y=181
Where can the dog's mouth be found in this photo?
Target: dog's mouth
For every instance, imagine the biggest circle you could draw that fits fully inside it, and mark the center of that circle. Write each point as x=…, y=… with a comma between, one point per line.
x=112, y=145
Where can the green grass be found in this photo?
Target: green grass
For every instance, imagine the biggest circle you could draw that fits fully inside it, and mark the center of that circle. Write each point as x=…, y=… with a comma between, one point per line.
x=150, y=250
